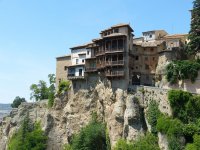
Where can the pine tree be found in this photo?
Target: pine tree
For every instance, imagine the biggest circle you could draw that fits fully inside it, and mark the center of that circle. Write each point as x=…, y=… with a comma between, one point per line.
x=194, y=34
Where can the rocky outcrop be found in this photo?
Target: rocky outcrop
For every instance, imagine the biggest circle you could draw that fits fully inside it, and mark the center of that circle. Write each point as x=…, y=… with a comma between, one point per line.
x=122, y=112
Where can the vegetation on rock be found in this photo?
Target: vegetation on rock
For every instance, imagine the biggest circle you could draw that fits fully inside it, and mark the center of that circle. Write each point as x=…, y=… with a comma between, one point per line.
x=147, y=142
x=41, y=91
x=29, y=137
x=17, y=101
x=63, y=86
x=181, y=70
x=91, y=137
x=153, y=114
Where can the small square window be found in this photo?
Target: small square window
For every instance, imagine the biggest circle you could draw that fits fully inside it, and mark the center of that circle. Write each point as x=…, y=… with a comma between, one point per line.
x=136, y=57
x=83, y=60
x=116, y=30
x=152, y=49
x=150, y=36
x=146, y=67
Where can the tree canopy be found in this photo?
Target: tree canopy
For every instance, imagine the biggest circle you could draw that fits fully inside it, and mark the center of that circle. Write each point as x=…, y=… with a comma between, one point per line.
x=17, y=101
x=194, y=34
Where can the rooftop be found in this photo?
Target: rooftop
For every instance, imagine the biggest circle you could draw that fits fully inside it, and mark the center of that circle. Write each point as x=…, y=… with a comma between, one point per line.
x=174, y=36
x=148, y=44
x=81, y=46
x=117, y=26
x=64, y=56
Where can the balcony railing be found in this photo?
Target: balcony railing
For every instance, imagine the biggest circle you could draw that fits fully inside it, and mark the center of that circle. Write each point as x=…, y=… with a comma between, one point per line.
x=115, y=63
x=100, y=52
x=114, y=50
x=115, y=74
x=71, y=76
x=100, y=66
x=90, y=69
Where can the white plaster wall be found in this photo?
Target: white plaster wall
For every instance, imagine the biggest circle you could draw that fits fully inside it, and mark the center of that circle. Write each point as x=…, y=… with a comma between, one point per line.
x=75, y=54
x=146, y=36
x=88, y=53
x=77, y=70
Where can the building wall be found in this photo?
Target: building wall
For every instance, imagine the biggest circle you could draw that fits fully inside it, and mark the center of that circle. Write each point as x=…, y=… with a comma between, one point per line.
x=77, y=70
x=148, y=36
x=79, y=54
x=61, y=68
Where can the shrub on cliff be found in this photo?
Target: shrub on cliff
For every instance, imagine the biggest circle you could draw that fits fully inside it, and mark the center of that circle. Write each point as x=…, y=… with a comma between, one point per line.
x=147, y=142
x=90, y=137
x=63, y=86
x=17, y=101
x=29, y=137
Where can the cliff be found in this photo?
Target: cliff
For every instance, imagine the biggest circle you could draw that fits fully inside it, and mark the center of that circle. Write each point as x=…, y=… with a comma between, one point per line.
x=123, y=113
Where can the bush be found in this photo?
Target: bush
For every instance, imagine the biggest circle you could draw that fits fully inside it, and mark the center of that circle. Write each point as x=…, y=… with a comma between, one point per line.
x=178, y=100
x=193, y=108
x=169, y=126
x=153, y=114
x=182, y=69
x=29, y=136
x=17, y=101
x=195, y=145
x=51, y=99
x=123, y=145
x=148, y=142
x=63, y=86
x=91, y=137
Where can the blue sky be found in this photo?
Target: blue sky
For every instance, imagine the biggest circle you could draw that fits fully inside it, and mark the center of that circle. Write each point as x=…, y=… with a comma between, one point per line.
x=34, y=32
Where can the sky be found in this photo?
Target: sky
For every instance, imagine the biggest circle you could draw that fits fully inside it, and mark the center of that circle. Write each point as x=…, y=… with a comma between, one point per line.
x=34, y=32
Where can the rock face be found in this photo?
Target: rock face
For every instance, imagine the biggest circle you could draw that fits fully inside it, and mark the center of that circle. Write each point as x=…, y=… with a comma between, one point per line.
x=122, y=112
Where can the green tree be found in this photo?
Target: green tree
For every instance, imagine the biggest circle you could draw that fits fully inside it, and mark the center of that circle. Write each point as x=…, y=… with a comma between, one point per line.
x=63, y=86
x=153, y=114
x=29, y=137
x=40, y=91
x=194, y=34
x=17, y=101
x=91, y=137
x=52, y=89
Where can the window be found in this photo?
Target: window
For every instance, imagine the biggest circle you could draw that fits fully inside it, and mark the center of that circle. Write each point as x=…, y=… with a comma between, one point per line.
x=146, y=58
x=153, y=58
x=150, y=36
x=88, y=52
x=147, y=77
x=144, y=49
x=83, y=60
x=76, y=61
x=152, y=49
x=65, y=68
x=116, y=30
x=136, y=57
x=146, y=66
x=136, y=67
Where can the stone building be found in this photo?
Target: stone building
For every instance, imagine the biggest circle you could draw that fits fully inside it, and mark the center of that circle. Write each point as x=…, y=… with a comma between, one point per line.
x=122, y=60
x=62, y=64
x=146, y=53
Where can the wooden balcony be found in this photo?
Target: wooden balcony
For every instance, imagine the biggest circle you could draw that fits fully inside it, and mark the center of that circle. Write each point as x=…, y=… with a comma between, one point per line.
x=100, y=52
x=114, y=50
x=115, y=74
x=101, y=66
x=90, y=69
x=115, y=63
